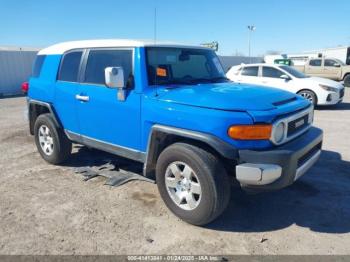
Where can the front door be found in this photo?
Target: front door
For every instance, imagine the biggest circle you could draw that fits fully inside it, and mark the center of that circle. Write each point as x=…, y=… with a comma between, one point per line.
x=103, y=118
x=272, y=77
x=332, y=69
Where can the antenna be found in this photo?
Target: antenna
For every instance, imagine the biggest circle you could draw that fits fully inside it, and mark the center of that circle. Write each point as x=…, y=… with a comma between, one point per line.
x=155, y=24
x=155, y=42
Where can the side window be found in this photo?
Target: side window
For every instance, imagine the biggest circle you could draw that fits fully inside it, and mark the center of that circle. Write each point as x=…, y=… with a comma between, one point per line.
x=330, y=62
x=315, y=62
x=272, y=72
x=98, y=60
x=38, y=64
x=250, y=71
x=69, y=68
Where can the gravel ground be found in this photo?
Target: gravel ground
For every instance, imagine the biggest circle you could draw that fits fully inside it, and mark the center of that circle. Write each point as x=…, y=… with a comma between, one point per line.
x=46, y=209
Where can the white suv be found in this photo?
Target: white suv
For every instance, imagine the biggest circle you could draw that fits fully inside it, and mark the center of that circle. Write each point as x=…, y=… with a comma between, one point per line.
x=319, y=91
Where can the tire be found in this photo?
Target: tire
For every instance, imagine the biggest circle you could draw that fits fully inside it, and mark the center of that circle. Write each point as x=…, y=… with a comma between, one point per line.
x=53, y=145
x=309, y=95
x=206, y=171
x=347, y=80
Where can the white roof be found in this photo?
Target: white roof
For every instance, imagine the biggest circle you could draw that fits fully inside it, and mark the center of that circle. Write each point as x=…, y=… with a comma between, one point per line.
x=66, y=46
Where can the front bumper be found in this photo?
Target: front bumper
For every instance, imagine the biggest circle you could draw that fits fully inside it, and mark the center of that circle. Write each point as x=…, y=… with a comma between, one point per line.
x=279, y=167
x=333, y=98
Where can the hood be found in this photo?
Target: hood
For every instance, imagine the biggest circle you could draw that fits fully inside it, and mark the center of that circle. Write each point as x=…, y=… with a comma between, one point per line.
x=226, y=96
x=323, y=81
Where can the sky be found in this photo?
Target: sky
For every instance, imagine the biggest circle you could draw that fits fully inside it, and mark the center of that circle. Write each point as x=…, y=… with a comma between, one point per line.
x=288, y=26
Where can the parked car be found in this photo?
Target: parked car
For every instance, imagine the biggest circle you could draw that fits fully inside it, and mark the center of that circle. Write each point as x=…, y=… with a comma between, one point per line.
x=319, y=91
x=171, y=108
x=331, y=68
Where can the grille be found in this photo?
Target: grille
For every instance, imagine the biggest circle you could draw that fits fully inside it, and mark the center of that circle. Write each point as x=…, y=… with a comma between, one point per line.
x=302, y=160
x=342, y=91
x=297, y=125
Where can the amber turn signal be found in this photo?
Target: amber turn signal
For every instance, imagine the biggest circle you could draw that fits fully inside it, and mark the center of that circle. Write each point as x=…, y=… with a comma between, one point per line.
x=250, y=132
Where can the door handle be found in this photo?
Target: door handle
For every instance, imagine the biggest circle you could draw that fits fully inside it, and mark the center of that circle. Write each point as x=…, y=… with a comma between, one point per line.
x=82, y=98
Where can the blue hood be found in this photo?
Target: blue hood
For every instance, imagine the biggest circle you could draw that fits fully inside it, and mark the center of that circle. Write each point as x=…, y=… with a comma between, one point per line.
x=226, y=96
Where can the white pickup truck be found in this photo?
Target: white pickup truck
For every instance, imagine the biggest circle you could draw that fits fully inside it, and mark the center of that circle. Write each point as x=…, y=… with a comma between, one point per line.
x=331, y=68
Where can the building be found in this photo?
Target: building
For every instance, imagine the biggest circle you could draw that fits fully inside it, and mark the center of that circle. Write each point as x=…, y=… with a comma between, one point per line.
x=15, y=68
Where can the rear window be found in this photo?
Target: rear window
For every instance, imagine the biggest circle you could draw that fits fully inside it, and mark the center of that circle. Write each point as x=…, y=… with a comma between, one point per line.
x=38, y=64
x=70, y=67
x=315, y=62
x=250, y=71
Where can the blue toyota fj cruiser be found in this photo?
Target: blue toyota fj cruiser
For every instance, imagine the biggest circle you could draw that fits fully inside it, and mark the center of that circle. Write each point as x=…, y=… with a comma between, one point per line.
x=172, y=108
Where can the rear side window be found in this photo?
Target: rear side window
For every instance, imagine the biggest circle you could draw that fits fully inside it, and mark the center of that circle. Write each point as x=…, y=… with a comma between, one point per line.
x=70, y=67
x=38, y=64
x=271, y=72
x=250, y=71
x=315, y=62
x=98, y=60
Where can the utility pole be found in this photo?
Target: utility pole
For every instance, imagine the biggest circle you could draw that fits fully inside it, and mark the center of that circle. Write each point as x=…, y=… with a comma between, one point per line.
x=251, y=28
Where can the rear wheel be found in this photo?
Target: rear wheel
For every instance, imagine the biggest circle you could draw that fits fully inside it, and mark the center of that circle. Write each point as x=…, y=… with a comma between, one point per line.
x=193, y=183
x=309, y=95
x=53, y=145
x=347, y=80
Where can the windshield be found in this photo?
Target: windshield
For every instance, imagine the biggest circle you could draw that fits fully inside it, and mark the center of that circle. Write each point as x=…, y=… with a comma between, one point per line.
x=169, y=66
x=294, y=72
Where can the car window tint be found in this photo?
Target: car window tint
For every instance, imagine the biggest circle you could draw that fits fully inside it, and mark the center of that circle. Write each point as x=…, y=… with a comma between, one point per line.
x=250, y=71
x=70, y=67
x=330, y=62
x=38, y=64
x=315, y=62
x=271, y=72
x=98, y=60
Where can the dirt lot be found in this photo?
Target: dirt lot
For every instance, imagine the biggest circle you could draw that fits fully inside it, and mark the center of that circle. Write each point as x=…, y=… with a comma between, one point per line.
x=47, y=209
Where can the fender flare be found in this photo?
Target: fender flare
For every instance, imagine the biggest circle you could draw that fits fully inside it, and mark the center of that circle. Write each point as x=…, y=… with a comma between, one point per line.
x=48, y=106
x=159, y=133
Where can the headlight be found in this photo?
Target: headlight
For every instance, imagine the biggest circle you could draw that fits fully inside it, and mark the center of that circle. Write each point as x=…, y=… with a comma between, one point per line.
x=278, y=132
x=329, y=88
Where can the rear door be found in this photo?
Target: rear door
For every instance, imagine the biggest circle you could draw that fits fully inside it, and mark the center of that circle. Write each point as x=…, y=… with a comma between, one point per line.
x=67, y=87
x=249, y=75
x=314, y=67
x=103, y=118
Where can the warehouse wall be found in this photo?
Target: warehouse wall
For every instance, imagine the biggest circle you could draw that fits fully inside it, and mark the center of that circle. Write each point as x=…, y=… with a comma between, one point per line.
x=15, y=68
x=229, y=61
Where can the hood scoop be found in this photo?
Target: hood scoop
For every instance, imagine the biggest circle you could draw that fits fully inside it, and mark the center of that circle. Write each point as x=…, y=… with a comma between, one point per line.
x=285, y=101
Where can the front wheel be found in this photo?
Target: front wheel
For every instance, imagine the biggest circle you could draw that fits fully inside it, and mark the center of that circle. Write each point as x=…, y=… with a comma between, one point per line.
x=309, y=95
x=193, y=183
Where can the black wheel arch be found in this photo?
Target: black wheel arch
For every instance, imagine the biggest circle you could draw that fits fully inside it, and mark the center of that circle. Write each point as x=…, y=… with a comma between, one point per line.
x=163, y=136
x=37, y=108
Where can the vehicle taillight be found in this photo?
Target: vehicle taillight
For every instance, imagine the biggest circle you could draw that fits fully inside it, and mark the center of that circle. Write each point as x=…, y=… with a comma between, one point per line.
x=25, y=87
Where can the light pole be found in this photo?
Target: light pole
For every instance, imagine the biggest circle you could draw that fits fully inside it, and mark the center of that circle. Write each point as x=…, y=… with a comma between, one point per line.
x=251, y=28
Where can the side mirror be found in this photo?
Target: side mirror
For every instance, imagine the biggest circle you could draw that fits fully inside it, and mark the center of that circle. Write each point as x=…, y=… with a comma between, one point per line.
x=336, y=65
x=114, y=77
x=285, y=77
